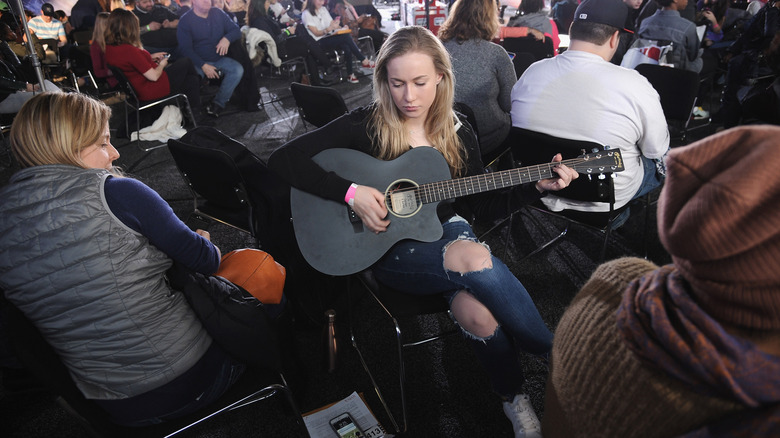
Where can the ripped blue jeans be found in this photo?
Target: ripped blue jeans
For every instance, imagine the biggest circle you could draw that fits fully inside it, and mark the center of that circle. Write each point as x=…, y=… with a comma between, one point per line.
x=418, y=268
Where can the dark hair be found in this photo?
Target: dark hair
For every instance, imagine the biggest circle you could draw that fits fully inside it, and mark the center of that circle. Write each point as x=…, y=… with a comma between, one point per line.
x=595, y=33
x=664, y=3
x=255, y=8
x=530, y=6
x=311, y=7
x=123, y=28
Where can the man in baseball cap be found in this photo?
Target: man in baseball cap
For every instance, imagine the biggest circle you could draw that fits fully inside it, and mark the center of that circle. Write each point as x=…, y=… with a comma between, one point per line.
x=610, y=12
x=595, y=100
x=47, y=27
x=48, y=10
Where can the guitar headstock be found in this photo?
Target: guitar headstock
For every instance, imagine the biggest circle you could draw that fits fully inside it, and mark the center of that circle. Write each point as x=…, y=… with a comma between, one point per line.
x=597, y=163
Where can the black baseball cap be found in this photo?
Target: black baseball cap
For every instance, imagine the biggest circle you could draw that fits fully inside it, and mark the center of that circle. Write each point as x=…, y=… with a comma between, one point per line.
x=48, y=10
x=610, y=12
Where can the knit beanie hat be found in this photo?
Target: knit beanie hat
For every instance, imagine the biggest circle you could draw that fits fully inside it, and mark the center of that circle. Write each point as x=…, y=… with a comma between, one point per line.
x=719, y=218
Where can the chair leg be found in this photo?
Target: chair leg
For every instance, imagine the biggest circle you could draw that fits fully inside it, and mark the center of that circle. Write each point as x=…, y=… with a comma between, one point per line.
x=355, y=345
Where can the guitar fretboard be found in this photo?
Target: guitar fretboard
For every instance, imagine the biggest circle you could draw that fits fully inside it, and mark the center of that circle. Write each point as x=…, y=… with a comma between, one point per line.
x=454, y=188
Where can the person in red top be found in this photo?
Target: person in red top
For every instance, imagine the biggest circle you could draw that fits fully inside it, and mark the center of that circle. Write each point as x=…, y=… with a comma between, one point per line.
x=150, y=74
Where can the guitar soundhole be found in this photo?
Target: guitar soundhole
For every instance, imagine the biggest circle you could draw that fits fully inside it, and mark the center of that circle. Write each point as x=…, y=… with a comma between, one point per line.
x=401, y=198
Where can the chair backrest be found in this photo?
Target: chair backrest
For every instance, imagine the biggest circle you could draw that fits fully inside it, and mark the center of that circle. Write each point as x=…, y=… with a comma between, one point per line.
x=522, y=61
x=207, y=160
x=82, y=37
x=318, y=105
x=469, y=113
x=531, y=147
x=529, y=44
x=677, y=88
x=51, y=44
x=40, y=359
x=124, y=83
x=43, y=362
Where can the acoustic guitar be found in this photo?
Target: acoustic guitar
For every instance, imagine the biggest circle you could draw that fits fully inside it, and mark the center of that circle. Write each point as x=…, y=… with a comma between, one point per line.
x=332, y=237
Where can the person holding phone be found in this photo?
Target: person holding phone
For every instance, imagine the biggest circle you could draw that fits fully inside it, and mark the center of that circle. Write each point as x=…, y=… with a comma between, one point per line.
x=150, y=74
x=412, y=107
x=321, y=26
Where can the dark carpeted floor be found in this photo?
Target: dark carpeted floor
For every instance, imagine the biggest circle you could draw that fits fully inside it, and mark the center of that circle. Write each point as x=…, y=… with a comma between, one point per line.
x=448, y=394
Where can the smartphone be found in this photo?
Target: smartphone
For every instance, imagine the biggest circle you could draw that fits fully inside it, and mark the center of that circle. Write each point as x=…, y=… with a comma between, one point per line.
x=345, y=427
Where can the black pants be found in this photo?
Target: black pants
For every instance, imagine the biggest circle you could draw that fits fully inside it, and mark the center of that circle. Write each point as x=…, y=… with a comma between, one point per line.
x=184, y=79
x=247, y=93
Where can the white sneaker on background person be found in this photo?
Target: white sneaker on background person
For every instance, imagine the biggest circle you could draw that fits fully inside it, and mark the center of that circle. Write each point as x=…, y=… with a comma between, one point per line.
x=523, y=418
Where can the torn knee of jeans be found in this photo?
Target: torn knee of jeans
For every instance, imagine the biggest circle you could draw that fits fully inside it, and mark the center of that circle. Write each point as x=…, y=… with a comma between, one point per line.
x=470, y=335
x=487, y=263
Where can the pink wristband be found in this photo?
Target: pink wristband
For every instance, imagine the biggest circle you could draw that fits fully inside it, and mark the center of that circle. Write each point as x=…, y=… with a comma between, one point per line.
x=349, y=198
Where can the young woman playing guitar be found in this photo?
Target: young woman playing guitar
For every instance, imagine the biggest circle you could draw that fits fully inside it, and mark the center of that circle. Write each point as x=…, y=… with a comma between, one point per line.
x=412, y=107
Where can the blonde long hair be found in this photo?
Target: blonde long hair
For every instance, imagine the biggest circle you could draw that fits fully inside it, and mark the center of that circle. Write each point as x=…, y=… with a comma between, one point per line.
x=386, y=124
x=53, y=128
x=99, y=32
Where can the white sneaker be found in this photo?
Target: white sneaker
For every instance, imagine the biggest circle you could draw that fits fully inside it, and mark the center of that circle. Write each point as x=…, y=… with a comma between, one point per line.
x=700, y=113
x=523, y=418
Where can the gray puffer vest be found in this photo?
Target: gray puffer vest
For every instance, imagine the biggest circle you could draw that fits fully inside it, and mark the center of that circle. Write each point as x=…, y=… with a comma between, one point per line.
x=94, y=288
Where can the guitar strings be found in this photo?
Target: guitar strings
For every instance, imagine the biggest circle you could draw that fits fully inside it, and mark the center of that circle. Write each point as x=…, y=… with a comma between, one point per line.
x=502, y=176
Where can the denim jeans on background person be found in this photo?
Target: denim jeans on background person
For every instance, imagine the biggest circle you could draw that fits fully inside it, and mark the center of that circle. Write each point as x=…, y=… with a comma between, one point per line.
x=345, y=43
x=418, y=268
x=651, y=180
x=233, y=71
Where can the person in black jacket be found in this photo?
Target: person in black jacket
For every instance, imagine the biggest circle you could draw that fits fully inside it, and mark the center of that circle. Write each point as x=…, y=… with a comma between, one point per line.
x=14, y=89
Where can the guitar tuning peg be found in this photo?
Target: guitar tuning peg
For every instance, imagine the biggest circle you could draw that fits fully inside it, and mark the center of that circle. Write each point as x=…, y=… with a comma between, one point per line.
x=582, y=151
x=602, y=176
x=595, y=150
x=612, y=175
x=590, y=177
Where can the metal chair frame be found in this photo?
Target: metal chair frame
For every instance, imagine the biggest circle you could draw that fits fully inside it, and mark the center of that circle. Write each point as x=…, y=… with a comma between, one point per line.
x=35, y=353
x=132, y=102
x=429, y=306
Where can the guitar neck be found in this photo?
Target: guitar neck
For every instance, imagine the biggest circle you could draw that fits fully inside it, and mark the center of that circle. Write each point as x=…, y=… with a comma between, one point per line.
x=454, y=188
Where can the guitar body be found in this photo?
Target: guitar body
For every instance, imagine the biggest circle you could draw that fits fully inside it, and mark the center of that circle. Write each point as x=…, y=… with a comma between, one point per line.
x=322, y=225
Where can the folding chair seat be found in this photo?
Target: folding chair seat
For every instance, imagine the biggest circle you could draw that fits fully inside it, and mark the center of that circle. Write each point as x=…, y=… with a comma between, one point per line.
x=399, y=307
x=35, y=353
x=133, y=103
x=317, y=105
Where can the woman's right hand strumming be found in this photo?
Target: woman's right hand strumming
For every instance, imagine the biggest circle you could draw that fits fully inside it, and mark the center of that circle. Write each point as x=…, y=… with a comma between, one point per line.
x=370, y=207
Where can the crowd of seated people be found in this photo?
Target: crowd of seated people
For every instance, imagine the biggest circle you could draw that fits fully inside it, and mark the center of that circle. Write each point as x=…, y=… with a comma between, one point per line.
x=600, y=102
x=152, y=75
x=330, y=35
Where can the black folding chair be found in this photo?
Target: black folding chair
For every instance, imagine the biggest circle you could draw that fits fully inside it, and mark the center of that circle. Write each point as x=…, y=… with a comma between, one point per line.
x=133, y=103
x=317, y=105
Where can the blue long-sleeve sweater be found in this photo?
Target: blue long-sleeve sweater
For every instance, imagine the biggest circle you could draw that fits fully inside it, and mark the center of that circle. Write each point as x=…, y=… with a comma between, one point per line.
x=198, y=37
